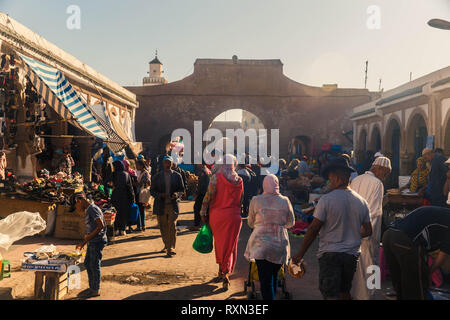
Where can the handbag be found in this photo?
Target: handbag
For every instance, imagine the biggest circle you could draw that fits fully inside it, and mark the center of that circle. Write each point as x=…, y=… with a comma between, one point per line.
x=144, y=195
x=134, y=213
x=203, y=243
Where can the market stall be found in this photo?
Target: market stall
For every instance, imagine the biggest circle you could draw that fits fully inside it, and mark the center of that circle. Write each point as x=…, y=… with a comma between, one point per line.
x=51, y=269
x=300, y=189
x=49, y=195
x=397, y=204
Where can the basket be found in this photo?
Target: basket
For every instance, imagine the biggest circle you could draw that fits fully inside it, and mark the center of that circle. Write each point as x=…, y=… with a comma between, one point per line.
x=110, y=217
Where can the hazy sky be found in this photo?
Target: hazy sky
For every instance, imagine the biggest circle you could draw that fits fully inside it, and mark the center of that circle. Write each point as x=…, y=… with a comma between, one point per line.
x=320, y=41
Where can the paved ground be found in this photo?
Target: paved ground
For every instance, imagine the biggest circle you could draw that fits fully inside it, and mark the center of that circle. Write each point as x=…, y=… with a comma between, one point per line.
x=187, y=275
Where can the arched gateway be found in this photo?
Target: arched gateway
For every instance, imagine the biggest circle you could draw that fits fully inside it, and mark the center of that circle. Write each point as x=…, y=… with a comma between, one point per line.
x=258, y=86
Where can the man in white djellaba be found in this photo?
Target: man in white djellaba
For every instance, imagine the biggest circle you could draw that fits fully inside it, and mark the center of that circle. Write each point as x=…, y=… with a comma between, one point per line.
x=370, y=186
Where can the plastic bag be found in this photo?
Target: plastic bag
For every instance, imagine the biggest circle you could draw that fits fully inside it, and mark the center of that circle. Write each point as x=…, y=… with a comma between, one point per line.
x=203, y=243
x=46, y=249
x=134, y=213
x=19, y=225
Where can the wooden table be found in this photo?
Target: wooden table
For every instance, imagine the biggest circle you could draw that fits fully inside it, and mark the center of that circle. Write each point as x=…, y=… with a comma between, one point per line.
x=398, y=205
x=411, y=201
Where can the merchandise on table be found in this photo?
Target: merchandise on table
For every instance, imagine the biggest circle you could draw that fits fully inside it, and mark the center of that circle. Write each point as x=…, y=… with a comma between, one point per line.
x=47, y=259
x=53, y=189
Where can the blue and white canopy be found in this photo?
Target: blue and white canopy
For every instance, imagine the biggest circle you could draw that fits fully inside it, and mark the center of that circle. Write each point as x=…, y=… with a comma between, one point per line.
x=115, y=142
x=61, y=96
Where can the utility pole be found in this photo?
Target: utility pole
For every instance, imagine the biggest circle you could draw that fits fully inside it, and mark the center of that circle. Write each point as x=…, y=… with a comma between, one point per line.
x=410, y=76
x=379, y=86
x=365, y=80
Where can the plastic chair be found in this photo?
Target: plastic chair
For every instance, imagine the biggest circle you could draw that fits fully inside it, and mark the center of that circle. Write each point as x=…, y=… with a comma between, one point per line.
x=5, y=272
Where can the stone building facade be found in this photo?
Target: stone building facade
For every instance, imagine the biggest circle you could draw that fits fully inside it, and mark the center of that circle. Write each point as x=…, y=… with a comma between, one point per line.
x=249, y=120
x=319, y=114
x=401, y=121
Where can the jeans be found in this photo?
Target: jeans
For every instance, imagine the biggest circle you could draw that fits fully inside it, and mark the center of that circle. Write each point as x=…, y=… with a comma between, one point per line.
x=407, y=263
x=141, y=218
x=268, y=278
x=92, y=263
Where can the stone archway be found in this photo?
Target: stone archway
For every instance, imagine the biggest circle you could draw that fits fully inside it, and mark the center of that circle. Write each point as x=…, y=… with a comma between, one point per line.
x=300, y=145
x=392, y=147
x=446, y=131
x=363, y=141
x=258, y=86
x=247, y=121
x=416, y=139
x=375, y=139
x=361, y=147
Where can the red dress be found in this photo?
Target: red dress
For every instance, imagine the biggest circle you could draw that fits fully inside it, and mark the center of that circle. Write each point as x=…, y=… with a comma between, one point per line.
x=225, y=221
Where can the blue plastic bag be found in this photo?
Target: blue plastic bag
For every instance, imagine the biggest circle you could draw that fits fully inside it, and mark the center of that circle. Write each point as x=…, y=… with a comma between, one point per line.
x=134, y=213
x=305, y=217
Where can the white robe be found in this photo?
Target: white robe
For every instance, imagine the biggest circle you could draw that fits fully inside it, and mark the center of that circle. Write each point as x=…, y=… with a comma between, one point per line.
x=371, y=189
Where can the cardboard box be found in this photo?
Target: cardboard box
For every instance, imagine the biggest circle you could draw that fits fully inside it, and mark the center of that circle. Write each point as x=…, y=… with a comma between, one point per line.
x=69, y=225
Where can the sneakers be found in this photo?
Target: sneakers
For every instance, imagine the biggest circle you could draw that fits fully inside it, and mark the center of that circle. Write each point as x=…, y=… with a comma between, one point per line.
x=123, y=233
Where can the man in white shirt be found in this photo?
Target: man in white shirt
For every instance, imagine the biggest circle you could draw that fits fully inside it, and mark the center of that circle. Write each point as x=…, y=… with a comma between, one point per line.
x=370, y=186
x=341, y=219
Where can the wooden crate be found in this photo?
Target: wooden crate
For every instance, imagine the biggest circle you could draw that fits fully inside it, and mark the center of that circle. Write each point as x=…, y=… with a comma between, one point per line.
x=55, y=285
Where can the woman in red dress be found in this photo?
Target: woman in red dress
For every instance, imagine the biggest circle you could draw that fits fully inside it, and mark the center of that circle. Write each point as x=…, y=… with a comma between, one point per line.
x=224, y=199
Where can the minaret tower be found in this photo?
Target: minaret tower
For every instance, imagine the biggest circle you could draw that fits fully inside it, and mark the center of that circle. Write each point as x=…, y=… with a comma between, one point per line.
x=155, y=73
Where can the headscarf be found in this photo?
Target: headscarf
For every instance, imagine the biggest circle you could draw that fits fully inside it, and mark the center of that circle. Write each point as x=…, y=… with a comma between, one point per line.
x=126, y=165
x=227, y=167
x=419, y=177
x=118, y=166
x=271, y=185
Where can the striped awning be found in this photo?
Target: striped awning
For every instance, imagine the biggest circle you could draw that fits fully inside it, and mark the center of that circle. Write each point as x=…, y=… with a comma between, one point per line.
x=58, y=93
x=115, y=142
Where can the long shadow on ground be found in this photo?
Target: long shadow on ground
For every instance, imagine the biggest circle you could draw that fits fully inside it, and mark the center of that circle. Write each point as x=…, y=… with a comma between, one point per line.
x=190, y=292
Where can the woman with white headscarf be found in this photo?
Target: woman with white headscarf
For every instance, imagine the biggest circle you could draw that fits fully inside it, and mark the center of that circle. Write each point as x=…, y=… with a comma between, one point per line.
x=224, y=200
x=270, y=215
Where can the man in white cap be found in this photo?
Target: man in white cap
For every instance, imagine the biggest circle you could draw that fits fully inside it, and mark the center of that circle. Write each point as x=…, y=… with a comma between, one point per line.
x=378, y=154
x=370, y=186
